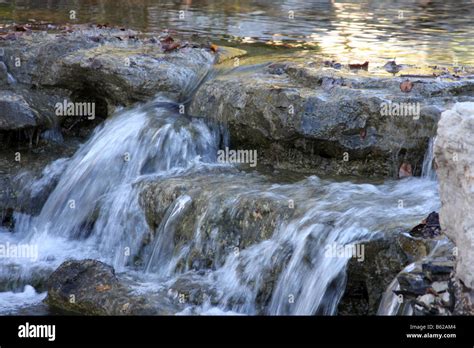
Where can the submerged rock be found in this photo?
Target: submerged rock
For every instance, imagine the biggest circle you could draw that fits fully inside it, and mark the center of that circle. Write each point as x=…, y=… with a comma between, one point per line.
x=308, y=117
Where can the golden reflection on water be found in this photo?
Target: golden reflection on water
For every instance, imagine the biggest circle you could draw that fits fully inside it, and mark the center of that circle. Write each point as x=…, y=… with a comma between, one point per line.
x=412, y=31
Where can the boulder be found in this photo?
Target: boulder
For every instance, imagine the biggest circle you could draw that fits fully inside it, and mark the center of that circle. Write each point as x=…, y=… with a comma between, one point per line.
x=454, y=156
x=91, y=287
x=109, y=67
x=15, y=112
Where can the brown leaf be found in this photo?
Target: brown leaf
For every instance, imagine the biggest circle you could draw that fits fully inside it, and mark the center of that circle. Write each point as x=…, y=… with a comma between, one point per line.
x=214, y=48
x=170, y=47
x=21, y=28
x=102, y=288
x=405, y=170
x=406, y=86
x=356, y=66
x=167, y=40
x=95, y=38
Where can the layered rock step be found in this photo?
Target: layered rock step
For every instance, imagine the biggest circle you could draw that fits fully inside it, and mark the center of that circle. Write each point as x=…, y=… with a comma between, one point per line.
x=309, y=117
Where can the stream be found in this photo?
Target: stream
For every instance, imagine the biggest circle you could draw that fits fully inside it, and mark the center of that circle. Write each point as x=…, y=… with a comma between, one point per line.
x=265, y=241
x=96, y=214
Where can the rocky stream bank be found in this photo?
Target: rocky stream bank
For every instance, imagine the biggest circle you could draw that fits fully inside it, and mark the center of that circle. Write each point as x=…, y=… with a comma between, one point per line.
x=231, y=237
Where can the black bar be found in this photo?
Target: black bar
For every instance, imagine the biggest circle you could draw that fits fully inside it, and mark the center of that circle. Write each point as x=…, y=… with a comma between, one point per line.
x=258, y=330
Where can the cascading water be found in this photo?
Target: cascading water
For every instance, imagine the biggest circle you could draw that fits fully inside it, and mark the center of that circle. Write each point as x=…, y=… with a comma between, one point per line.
x=427, y=169
x=95, y=212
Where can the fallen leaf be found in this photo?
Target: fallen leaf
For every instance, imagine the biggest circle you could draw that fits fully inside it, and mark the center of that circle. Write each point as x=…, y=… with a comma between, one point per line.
x=214, y=48
x=405, y=170
x=170, y=47
x=167, y=40
x=94, y=38
x=406, y=86
x=356, y=66
x=21, y=28
x=102, y=288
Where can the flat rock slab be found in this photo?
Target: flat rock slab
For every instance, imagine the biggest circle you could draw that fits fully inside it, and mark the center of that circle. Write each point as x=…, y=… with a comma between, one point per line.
x=111, y=67
x=305, y=116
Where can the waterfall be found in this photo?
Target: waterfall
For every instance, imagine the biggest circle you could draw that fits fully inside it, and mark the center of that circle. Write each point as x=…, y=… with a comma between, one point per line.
x=427, y=169
x=93, y=210
x=279, y=266
x=290, y=272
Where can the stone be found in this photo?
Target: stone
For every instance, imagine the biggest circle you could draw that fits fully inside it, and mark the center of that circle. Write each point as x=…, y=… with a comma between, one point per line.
x=412, y=283
x=446, y=298
x=107, y=66
x=307, y=117
x=427, y=299
x=440, y=286
x=438, y=269
x=90, y=287
x=227, y=222
x=15, y=112
x=454, y=155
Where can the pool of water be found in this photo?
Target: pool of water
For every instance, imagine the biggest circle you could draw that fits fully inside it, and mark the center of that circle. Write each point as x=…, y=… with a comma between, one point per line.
x=413, y=31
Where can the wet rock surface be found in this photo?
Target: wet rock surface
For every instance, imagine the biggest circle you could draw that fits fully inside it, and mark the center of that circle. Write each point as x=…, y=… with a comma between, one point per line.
x=227, y=221
x=384, y=258
x=15, y=113
x=20, y=166
x=106, y=66
x=428, y=284
x=90, y=287
x=310, y=117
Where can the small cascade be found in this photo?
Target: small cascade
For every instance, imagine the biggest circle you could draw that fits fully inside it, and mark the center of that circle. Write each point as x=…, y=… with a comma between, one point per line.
x=227, y=233
x=94, y=204
x=428, y=170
